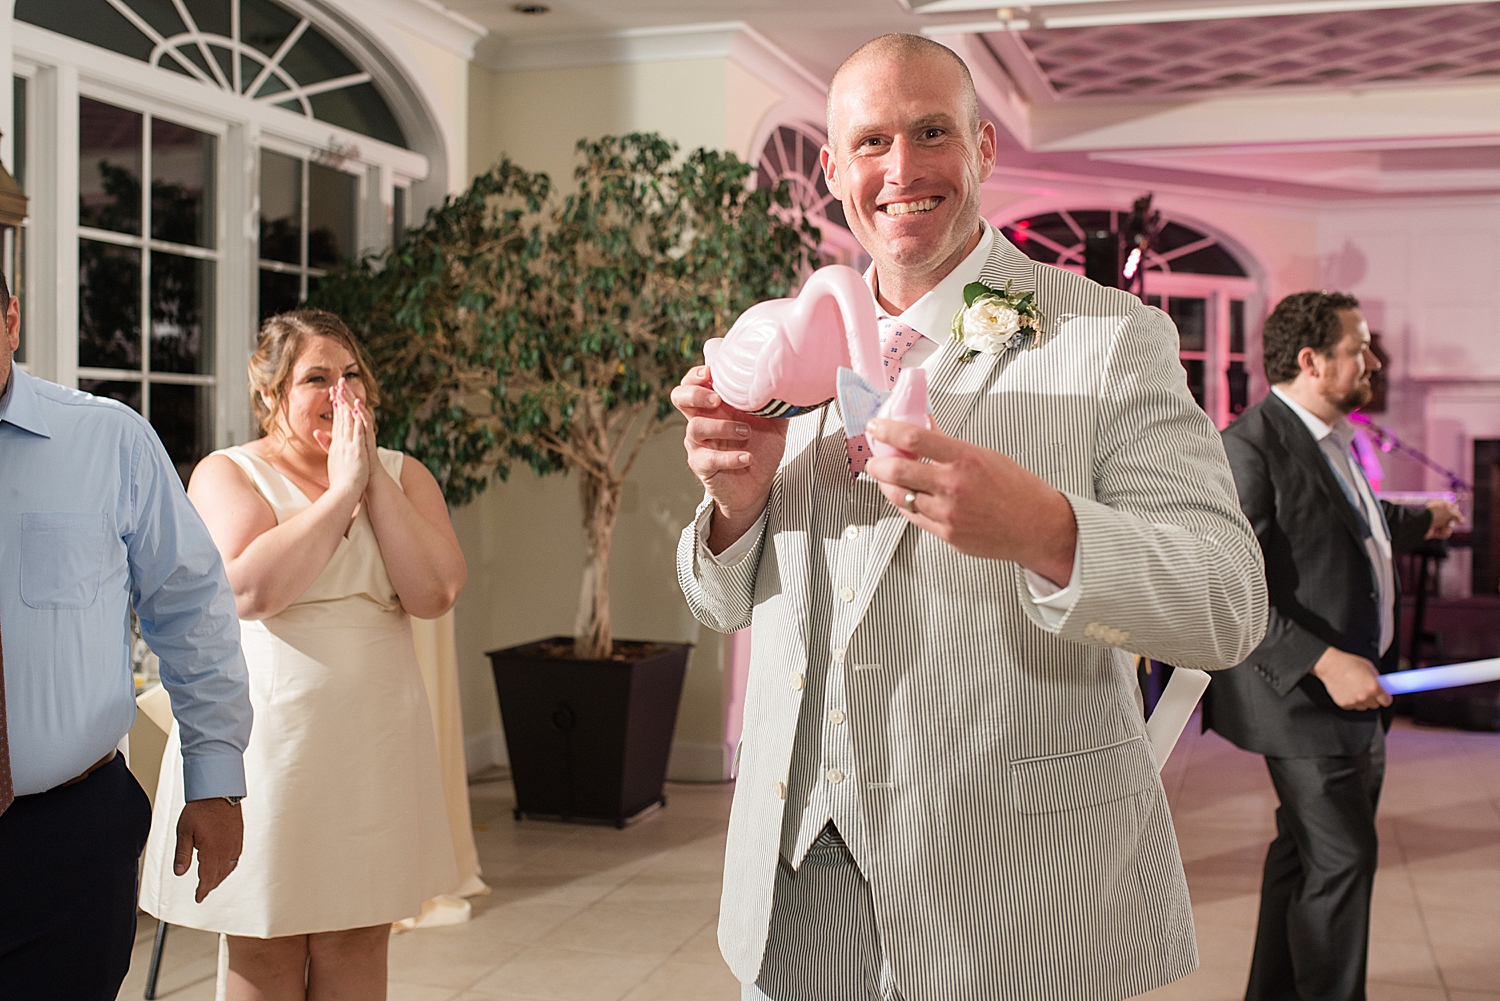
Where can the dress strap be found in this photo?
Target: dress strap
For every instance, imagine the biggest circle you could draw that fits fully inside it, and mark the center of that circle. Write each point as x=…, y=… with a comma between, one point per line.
x=281, y=493
x=392, y=460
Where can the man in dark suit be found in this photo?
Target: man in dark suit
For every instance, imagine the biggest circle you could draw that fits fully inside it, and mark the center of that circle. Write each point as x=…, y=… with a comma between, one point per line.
x=1309, y=696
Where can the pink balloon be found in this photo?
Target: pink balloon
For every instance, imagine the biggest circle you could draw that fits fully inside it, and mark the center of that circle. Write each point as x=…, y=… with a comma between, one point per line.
x=782, y=356
x=908, y=403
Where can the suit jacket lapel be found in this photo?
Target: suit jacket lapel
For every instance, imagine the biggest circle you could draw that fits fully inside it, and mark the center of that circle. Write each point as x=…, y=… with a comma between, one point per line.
x=1300, y=442
x=950, y=411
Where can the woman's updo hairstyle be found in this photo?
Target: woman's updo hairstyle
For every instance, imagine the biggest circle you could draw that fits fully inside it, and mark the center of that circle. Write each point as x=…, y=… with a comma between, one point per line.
x=281, y=340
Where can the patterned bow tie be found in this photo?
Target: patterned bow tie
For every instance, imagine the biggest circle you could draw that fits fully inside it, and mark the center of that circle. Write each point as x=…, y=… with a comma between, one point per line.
x=896, y=338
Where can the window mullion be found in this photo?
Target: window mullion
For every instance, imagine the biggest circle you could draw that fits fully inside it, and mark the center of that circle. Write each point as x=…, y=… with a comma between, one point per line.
x=302, y=259
x=234, y=29
x=55, y=215
x=145, y=313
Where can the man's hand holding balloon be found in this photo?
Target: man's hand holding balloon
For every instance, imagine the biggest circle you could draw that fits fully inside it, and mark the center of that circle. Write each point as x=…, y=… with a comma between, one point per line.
x=734, y=454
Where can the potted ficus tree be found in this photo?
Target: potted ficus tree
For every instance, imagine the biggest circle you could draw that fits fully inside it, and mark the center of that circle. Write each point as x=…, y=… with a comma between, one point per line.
x=520, y=324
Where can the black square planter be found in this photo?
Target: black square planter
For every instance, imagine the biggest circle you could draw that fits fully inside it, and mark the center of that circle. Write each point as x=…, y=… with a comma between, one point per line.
x=588, y=739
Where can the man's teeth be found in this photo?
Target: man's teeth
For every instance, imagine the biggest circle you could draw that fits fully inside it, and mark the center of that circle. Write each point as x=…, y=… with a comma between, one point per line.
x=906, y=208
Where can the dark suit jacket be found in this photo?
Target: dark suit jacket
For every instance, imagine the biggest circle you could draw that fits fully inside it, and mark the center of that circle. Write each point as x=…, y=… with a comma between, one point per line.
x=1320, y=585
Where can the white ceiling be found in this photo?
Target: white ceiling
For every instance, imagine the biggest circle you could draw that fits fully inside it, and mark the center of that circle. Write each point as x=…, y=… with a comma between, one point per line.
x=1349, y=103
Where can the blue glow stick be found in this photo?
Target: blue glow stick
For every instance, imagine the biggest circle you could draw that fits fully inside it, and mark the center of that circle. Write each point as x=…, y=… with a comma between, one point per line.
x=1430, y=679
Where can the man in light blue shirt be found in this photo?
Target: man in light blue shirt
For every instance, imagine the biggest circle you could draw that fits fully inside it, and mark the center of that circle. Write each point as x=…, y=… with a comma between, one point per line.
x=93, y=520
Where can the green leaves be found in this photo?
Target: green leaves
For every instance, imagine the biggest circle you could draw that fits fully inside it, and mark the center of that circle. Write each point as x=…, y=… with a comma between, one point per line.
x=521, y=324
x=974, y=290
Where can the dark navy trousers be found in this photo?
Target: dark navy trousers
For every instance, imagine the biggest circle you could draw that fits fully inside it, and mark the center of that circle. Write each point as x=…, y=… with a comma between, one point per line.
x=68, y=864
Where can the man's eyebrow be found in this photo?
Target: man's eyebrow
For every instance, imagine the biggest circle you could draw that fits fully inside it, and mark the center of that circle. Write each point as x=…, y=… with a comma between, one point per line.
x=936, y=118
x=922, y=122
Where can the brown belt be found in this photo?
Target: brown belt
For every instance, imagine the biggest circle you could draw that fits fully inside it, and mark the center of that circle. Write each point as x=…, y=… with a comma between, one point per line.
x=91, y=769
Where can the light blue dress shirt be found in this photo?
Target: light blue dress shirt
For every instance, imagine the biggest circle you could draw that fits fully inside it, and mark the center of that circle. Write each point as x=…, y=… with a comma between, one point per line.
x=92, y=515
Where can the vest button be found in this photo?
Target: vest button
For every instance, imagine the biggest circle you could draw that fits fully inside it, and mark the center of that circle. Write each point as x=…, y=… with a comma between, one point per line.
x=836, y=716
x=797, y=680
x=835, y=776
x=846, y=594
x=779, y=788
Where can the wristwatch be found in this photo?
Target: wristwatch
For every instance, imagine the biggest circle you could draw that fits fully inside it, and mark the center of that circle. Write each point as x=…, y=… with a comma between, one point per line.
x=232, y=800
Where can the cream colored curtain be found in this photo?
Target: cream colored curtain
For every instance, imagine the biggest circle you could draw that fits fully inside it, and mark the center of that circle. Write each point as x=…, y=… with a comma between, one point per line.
x=437, y=653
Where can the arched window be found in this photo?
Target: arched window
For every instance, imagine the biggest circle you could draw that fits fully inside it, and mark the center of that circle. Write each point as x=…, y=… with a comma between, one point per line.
x=791, y=154
x=255, y=48
x=167, y=125
x=1058, y=238
x=1191, y=275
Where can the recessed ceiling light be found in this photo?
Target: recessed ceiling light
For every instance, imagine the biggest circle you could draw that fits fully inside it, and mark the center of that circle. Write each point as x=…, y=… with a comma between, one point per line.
x=531, y=8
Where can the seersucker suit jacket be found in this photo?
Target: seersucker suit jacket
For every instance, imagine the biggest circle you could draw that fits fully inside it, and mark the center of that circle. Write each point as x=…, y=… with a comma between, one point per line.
x=1018, y=839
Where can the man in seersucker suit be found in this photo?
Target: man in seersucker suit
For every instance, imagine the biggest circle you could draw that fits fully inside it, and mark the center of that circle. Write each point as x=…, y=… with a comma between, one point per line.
x=945, y=791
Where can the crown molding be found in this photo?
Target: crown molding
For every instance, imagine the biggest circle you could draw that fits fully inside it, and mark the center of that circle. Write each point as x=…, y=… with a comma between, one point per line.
x=429, y=19
x=768, y=61
x=720, y=40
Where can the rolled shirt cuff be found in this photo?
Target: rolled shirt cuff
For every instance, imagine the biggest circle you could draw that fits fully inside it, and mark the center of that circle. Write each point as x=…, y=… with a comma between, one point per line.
x=207, y=776
x=736, y=550
x=1054, y=603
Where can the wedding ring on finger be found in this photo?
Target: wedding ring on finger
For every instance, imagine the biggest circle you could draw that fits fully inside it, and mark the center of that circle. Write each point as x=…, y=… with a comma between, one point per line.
x=911, y=502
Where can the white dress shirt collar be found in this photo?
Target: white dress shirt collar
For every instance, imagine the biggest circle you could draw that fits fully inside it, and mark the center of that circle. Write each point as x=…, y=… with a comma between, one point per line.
x=932, y=314
x=1314, y=423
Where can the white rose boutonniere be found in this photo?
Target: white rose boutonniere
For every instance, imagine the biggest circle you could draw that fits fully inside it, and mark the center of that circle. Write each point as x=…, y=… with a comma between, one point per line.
x=991, y=319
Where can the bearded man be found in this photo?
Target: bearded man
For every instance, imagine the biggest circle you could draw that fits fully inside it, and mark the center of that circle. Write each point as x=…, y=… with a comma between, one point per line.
x=1308, y=696
x=945, y=791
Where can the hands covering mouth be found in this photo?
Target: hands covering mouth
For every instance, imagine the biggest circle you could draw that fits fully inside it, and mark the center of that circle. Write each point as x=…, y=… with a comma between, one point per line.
x=910, y=207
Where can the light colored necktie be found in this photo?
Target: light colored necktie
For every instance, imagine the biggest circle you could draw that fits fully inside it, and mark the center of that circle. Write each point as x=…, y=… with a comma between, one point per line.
x=896, y=338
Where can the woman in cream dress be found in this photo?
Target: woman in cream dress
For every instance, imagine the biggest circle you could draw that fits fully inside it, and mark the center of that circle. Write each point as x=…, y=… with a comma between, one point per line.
x=329, y=543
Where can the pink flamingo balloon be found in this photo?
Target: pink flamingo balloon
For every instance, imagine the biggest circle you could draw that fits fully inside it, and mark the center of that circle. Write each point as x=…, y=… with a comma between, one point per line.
x=782, y=358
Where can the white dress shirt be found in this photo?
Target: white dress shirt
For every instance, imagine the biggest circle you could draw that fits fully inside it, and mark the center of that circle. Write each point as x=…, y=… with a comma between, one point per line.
x=1336, y=443
x=931, y=317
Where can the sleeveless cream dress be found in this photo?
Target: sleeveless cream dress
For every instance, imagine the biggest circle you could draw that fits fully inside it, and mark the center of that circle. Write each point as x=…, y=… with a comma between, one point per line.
x=345, y=824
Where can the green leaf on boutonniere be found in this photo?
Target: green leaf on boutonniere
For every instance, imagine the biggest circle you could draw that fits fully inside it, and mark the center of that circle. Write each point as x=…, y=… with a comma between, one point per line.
x=974, y=290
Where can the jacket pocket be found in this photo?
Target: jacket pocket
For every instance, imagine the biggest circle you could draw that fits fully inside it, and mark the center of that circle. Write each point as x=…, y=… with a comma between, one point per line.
x=62, y=558
x=1078, y=779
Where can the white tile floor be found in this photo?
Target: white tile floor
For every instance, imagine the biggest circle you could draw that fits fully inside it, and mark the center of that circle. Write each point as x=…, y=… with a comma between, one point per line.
x=595, y=914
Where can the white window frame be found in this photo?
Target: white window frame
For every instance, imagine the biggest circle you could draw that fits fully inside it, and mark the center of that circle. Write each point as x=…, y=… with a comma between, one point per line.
x=60, y=70
x=149, y=244
x=1218, y=290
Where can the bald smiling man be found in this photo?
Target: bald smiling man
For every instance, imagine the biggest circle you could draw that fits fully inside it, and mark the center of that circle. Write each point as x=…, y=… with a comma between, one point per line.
x=945, y=791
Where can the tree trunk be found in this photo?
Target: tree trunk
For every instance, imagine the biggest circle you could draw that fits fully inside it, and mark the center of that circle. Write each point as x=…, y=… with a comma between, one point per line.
x=592, y=637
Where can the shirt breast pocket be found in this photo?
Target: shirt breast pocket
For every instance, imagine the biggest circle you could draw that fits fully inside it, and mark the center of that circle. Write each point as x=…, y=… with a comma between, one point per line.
x=62, y=558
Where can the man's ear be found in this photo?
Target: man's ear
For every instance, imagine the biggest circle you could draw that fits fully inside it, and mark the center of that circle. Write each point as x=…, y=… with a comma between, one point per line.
x=13, y=324
x=1310, y=362
x=987, y=143
x=830, y=171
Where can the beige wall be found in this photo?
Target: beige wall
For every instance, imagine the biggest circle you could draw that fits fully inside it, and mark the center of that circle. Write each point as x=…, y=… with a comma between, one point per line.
x=536, y=116
x=446, y=76
x=523, y=538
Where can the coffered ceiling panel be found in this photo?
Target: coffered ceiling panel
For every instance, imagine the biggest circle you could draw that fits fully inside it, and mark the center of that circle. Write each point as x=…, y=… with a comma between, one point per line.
x=1310, y=51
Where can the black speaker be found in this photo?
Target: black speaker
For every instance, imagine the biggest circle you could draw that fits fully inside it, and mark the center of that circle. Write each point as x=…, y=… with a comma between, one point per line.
x=1101, y=257
x=1485, y=535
